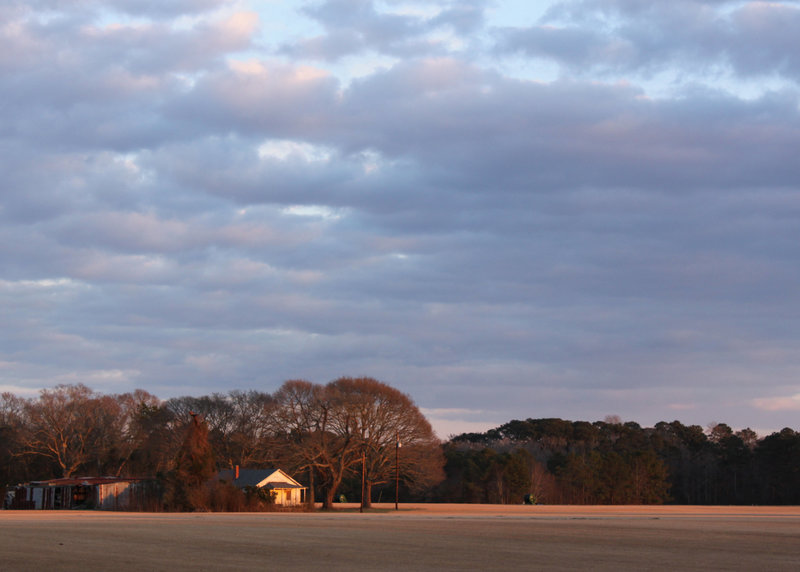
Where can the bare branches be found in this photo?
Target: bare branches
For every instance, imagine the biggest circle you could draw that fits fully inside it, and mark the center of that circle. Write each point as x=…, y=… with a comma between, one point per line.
x=331, y=427
x=321, y=430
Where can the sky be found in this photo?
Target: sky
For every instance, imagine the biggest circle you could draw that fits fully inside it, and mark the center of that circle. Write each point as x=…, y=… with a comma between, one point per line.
x=505, y=209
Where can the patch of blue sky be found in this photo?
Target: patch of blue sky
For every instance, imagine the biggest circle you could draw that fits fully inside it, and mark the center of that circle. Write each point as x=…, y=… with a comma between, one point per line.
x=283, y=150
x=352, y=68
x=524, y=68
x=313, y=211
x=514, y=13
x=676, y=83
x=670, y=80
x=282, y=22
x=107, y=16
x=407, y=8
x=518, y=14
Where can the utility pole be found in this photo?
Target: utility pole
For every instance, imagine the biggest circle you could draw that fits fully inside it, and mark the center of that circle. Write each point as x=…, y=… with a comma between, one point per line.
x=397, y=471
x=363, y=471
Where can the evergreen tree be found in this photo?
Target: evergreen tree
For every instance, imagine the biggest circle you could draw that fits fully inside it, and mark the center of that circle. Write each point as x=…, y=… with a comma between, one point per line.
x=187, y=485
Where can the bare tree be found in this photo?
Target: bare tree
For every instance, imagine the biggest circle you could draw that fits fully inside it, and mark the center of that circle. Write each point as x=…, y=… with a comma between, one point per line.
x=246, y=440
x=383, y=417
x=314, y=421
x=543, y=483
x=65, y=426
x=215, y=409
x=12, y=437
x=157, y=434
x=332, y=428
x=237, y=422
x=295, y=422
x=130, y=439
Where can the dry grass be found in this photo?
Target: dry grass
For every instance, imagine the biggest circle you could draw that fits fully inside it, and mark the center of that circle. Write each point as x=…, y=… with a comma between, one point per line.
x=418, y=537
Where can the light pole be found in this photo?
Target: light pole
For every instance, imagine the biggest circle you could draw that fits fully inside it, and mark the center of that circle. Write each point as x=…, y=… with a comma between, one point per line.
x=363, y=471
x=397, y=471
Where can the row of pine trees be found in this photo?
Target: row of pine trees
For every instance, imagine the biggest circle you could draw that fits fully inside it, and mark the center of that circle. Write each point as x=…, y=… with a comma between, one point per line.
x=610, y=462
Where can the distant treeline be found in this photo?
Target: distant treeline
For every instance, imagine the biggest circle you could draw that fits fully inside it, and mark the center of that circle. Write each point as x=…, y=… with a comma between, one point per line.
x=325, y=435
x=610, y=462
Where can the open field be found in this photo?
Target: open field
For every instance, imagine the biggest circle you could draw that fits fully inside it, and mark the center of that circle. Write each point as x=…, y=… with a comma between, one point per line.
x=418, y=537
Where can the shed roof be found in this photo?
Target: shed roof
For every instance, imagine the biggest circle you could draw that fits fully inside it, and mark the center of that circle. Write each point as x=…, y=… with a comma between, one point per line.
x=73, y=481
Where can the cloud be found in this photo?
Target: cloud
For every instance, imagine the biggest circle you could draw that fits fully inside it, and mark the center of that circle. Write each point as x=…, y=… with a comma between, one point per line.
x=750, y=39
x=465, y=16
x=267, y=98
x=188, y=206
x=143, y=8
x=354, y=27
x=787, y=403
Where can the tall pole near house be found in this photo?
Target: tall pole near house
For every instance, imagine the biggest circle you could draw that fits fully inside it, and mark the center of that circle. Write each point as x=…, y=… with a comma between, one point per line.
x=363, y=470
x=397, y=471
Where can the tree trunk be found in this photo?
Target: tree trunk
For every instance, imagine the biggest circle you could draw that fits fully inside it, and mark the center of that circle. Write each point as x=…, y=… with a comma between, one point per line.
x=327, y=502
x=310, y=496
x=368, y=495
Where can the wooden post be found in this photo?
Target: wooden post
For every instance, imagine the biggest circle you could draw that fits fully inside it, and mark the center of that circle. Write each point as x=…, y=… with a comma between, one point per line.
x=397, y=471
x=363, y=470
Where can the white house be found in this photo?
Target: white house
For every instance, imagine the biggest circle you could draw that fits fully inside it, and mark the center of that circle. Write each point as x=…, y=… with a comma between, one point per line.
x=288, y=492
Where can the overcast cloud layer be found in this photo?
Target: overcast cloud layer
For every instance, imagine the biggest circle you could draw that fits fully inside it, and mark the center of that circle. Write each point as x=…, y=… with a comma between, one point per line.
x=505, y=209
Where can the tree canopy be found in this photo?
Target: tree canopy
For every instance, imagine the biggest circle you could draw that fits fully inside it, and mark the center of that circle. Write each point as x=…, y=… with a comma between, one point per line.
x=328, y=435
x=320, y=431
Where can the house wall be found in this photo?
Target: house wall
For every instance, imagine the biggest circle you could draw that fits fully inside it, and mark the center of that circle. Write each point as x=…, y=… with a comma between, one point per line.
x=285, y=497
x=289, y=497
x=114, y=496
x=50, y=498
x=37, y=496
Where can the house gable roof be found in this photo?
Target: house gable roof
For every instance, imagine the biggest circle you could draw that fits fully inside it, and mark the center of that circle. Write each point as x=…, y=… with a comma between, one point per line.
x=261, y=478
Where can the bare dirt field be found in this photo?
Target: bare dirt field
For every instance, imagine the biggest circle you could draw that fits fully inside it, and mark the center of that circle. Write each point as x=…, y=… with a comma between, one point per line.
x=417, y=537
